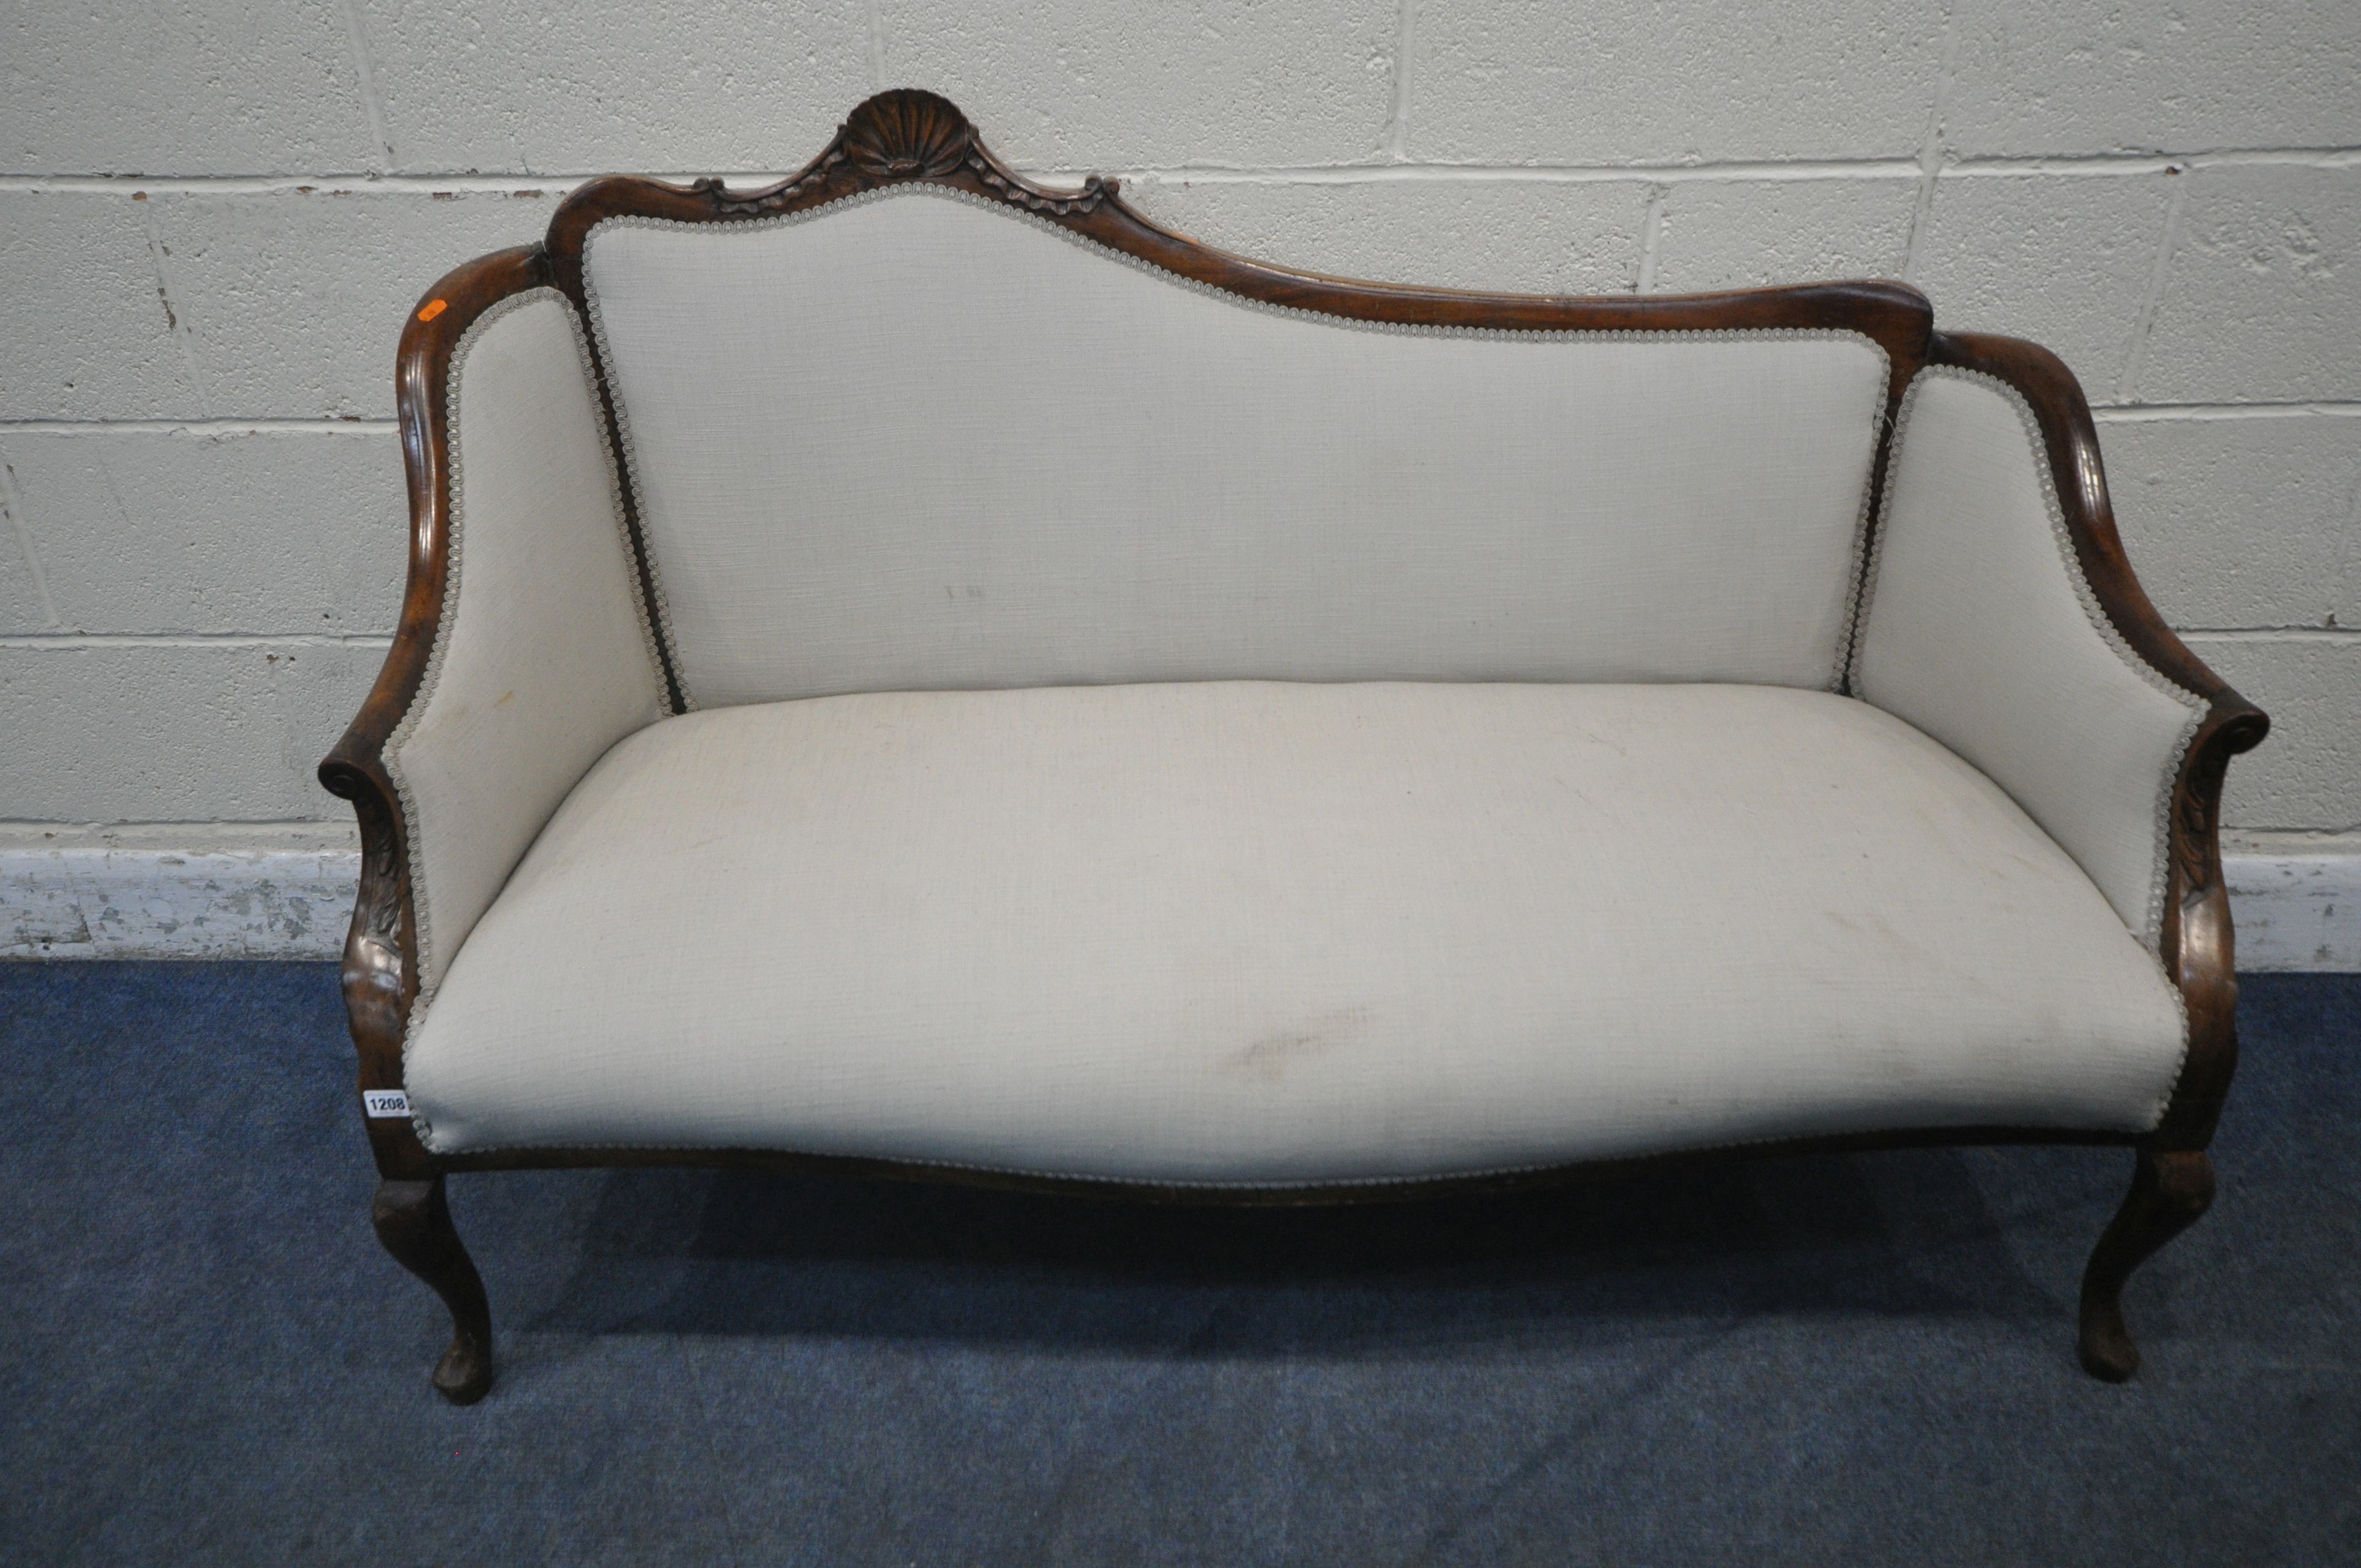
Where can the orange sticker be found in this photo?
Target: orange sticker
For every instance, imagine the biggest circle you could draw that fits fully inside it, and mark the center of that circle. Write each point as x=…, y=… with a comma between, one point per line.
x=432, y=309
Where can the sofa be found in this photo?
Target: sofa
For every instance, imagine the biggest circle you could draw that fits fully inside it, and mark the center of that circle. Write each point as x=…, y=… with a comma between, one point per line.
x=911, y=671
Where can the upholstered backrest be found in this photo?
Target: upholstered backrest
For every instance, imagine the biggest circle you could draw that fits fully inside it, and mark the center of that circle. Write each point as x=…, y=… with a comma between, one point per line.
x=916, y=441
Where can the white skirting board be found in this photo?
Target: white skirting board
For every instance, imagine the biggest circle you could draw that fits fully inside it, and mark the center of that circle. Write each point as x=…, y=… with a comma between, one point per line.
x=287, y=893
x=271, y=890
x=2297, y=908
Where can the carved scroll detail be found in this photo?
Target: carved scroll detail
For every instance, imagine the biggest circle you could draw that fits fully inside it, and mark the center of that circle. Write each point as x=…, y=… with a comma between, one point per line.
x=778, y=198
x=2192, y=833
x=1008, y=188
x=895, y=136
x=906, y=134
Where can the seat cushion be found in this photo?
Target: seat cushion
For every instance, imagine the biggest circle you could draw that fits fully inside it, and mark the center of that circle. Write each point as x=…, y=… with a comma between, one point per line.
x=1247, y=932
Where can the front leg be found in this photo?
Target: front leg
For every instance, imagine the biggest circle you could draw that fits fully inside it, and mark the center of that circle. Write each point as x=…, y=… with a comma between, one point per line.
x=414, y=1220
x=2170, y=1188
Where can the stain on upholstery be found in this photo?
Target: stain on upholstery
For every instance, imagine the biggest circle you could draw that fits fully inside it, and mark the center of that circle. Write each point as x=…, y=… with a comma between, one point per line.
x=1267, y=1057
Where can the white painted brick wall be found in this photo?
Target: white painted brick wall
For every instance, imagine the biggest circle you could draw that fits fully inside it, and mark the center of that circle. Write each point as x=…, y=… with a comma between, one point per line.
x=115, y=729
x=284, y=303
x=2262, y=289
x=213, y=212
x=222, y=532
x=2064, y=260
x=1738, y=233
x=1671, y=80
x=505, y=86
x=1097, y=85
x=86, y=331
x=223, y=88
x=2241, y=522
x=2038, y=77
x=2309, y=776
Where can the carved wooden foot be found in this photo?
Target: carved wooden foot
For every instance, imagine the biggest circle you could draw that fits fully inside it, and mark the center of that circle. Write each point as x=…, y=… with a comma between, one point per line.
x=414, y=1220
x=2169, y=1189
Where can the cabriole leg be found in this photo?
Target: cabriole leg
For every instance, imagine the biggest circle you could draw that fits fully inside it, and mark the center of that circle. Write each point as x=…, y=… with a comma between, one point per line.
x=414, y=1220
x=2169, y=1189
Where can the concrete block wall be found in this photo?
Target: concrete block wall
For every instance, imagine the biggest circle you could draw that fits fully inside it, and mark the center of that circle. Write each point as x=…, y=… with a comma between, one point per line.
x=214, y=213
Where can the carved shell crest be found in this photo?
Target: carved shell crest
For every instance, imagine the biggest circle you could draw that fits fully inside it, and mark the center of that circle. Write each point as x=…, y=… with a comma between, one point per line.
x=907, y=133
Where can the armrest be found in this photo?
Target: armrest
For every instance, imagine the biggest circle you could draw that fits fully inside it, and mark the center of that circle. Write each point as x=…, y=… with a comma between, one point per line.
x=2001, y=616
x=523, y=651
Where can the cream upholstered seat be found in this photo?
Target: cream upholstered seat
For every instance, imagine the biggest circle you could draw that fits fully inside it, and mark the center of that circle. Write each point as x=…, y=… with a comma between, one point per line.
x=1272, y=933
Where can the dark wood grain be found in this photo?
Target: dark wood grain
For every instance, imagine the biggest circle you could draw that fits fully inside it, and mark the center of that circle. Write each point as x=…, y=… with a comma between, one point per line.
x=907, y=136
x=413, y=1222
x=2171, y=1189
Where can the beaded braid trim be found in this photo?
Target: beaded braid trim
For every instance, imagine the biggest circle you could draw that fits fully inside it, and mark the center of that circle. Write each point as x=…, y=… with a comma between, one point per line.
x=1214, y=1184
x=1243, y=302
x=650, y=641
x=1863, y=562
x=2152, y=930
x=1865, y=544
x=644, y=551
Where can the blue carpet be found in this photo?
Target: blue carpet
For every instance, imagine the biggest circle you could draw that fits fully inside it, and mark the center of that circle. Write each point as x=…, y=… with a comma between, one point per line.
x=205, y=1358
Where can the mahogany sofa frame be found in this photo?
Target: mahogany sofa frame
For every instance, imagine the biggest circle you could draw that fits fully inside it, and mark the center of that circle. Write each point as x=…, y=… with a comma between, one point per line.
x=908, y=135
